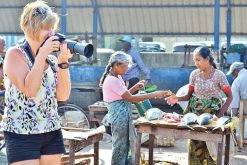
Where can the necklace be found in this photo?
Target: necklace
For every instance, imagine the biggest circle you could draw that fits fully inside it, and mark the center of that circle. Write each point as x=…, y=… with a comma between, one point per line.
x=112, y=74
x=209, y=75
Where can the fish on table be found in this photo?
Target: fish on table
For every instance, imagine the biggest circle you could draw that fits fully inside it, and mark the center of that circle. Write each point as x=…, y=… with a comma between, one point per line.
x=189, y=118
x=221, y=122
x=203, y=119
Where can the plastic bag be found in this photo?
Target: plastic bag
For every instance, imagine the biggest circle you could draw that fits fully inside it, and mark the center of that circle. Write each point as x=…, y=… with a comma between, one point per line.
x=182, y=92
x=154, y=114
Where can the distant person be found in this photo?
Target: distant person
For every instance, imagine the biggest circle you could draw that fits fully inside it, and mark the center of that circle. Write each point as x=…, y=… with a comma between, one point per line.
x=132, y=76
x=2, y=45
x=230, y=79
x=2, y=49
x=239, y=85
x=2, y=89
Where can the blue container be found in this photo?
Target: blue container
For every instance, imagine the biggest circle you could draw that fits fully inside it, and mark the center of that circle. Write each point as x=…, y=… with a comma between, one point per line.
x=232, y=57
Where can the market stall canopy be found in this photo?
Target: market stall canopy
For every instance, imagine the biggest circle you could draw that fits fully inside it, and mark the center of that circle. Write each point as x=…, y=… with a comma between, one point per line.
x=136, y=17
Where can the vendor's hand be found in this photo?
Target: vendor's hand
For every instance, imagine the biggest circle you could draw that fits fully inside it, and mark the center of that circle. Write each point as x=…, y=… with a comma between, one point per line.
x=171, y=100
x=65, y=54
x=139, y=85
x=220, y=113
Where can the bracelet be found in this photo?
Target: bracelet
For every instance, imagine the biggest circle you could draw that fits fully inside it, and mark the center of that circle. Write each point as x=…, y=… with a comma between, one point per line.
x=64, y=65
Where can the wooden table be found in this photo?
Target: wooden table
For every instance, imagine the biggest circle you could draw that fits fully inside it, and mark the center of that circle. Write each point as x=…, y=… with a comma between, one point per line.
x=171, y=129
x=98, y=110
x=76, y=144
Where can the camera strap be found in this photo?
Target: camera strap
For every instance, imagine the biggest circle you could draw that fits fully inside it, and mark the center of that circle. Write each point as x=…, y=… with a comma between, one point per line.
x=27, y=49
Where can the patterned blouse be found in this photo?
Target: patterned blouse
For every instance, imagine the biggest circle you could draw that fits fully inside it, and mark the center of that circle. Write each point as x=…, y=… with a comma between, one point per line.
x=212, y=87
x=23, y=115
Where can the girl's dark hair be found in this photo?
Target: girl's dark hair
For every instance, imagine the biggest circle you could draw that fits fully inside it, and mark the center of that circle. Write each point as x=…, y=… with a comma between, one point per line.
x=205, y=53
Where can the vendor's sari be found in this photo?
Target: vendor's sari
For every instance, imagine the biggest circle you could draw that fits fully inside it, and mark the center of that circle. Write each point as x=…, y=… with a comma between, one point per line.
x=198, y=152
x=119, y=115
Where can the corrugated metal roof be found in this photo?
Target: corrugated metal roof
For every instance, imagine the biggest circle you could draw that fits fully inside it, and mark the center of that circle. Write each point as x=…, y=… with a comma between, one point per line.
x=138, y=17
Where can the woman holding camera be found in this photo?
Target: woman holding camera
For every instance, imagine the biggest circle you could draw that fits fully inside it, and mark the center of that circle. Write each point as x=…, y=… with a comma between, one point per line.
x=31, y=123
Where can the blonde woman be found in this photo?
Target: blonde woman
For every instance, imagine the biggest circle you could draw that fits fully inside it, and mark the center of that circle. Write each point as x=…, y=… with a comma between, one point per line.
x=119, y=99
x=31, y=123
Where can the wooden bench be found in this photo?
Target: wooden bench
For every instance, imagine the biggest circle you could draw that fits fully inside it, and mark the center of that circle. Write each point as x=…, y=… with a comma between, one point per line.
x=76, y=144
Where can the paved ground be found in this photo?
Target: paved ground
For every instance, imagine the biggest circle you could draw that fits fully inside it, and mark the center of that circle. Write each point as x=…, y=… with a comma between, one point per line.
x=178, y=154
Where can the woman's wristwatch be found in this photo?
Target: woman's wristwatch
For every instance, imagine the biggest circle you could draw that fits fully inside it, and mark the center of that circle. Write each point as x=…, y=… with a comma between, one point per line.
x=63, y=65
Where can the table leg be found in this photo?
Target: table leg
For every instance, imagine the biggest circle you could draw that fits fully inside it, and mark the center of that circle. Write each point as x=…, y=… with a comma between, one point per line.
x=227, y=149
x=71, y=152
x=151, y=148
x=96, y=153
x=91, y=116
x=138, y=148
x=219, y=154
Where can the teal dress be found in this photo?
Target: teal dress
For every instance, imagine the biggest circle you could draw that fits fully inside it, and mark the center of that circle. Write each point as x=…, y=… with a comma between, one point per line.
x=119, y=115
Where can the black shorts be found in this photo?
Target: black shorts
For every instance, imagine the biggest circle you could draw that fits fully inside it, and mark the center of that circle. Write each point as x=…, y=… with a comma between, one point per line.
x=20, y=147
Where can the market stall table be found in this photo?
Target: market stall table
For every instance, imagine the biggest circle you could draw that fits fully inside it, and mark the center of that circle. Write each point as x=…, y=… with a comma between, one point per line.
x=79, y=140
x=163, y=128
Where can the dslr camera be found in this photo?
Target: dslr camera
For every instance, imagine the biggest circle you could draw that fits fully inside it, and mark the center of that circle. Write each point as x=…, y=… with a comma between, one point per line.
x=85, y=49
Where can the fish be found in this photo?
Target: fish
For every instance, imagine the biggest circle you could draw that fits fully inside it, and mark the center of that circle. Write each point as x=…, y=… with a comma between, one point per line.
x=203, y=119
x=221, y=122
x=188, y=118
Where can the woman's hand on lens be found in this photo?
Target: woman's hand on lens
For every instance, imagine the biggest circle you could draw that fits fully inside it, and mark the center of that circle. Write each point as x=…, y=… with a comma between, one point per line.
x=51, y=44
x=171, y=100
x=65, y=54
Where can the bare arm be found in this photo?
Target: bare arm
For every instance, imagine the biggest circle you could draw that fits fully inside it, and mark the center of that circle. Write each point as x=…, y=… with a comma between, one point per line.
x=64, y=83
x=26, y=80
x=185, y=97
x=16, y=67
x=173, y=99
x=226, y=104
x=127, y=96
